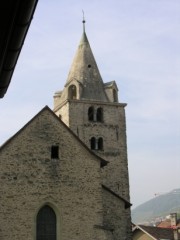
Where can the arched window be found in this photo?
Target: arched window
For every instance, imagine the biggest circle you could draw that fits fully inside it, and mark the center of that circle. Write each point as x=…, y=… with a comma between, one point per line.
x=72, y=92
x=115, y=95
x=100, y=143
x=99, y=115
x=46, y=224
x=93, y=143
x=91, y=114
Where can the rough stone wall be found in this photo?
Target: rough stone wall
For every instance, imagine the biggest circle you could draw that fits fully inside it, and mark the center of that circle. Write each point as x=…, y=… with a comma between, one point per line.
x=113, y=132
x=115, y=174
x=29, y=178
x=63, y=113
x=116, y=217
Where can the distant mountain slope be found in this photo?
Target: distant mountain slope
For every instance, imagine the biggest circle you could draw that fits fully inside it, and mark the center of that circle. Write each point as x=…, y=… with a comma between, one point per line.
x=159, y=206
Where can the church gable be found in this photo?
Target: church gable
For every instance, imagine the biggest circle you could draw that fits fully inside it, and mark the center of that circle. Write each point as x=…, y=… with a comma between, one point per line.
x=47, y=139
x=42, y=164
x=49, y=129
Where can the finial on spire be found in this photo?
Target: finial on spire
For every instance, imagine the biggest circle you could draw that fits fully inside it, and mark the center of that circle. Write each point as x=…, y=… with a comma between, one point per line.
x=83, y=21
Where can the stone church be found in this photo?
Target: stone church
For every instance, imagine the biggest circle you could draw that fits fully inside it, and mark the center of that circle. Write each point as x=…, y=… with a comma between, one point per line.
x=64, y=175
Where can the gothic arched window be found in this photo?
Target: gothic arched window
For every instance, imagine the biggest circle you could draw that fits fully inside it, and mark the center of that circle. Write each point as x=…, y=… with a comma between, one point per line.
x=93, y=143
x=100, y=143
x=91, y=114
x=46, y=224
x=72, y=92
x=99, y=114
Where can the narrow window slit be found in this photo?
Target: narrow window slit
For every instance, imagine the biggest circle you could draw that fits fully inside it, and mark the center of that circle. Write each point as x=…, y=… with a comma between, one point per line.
x=54, y=152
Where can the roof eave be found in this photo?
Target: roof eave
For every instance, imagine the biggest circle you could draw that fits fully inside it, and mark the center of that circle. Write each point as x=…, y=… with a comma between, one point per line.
x=14, y=39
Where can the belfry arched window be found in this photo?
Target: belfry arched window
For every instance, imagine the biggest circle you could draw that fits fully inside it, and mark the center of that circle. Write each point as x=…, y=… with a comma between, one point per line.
x=95, y=115
x=72, y=92
x=96, y=143
x=46, y=224
x=91, y=114
x=100, y=143
x=93, y=143
x=99, y=115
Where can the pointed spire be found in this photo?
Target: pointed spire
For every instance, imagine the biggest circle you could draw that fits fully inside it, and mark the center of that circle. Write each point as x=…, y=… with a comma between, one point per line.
x=84, y=70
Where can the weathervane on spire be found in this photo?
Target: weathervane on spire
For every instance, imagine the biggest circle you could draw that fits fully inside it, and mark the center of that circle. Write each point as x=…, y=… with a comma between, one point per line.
x=83, y=21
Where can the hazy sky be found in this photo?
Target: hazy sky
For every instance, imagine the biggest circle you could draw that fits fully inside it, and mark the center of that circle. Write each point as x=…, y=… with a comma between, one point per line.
x=137, y=44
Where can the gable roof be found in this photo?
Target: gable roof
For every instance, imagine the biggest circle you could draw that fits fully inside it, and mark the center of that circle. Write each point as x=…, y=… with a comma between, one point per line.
x=111, y=84
x=46, y=108
x=155, y=232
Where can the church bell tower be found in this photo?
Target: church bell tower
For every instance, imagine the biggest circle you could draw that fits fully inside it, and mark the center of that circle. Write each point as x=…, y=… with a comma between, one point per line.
x=91, y=109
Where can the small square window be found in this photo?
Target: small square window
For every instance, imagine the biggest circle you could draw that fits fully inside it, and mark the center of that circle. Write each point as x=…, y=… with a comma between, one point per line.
x=55, y=152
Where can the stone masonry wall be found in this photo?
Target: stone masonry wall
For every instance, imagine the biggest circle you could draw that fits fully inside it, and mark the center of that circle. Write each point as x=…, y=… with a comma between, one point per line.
x=116, y=217
x=29, y=178
x=113, y=132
